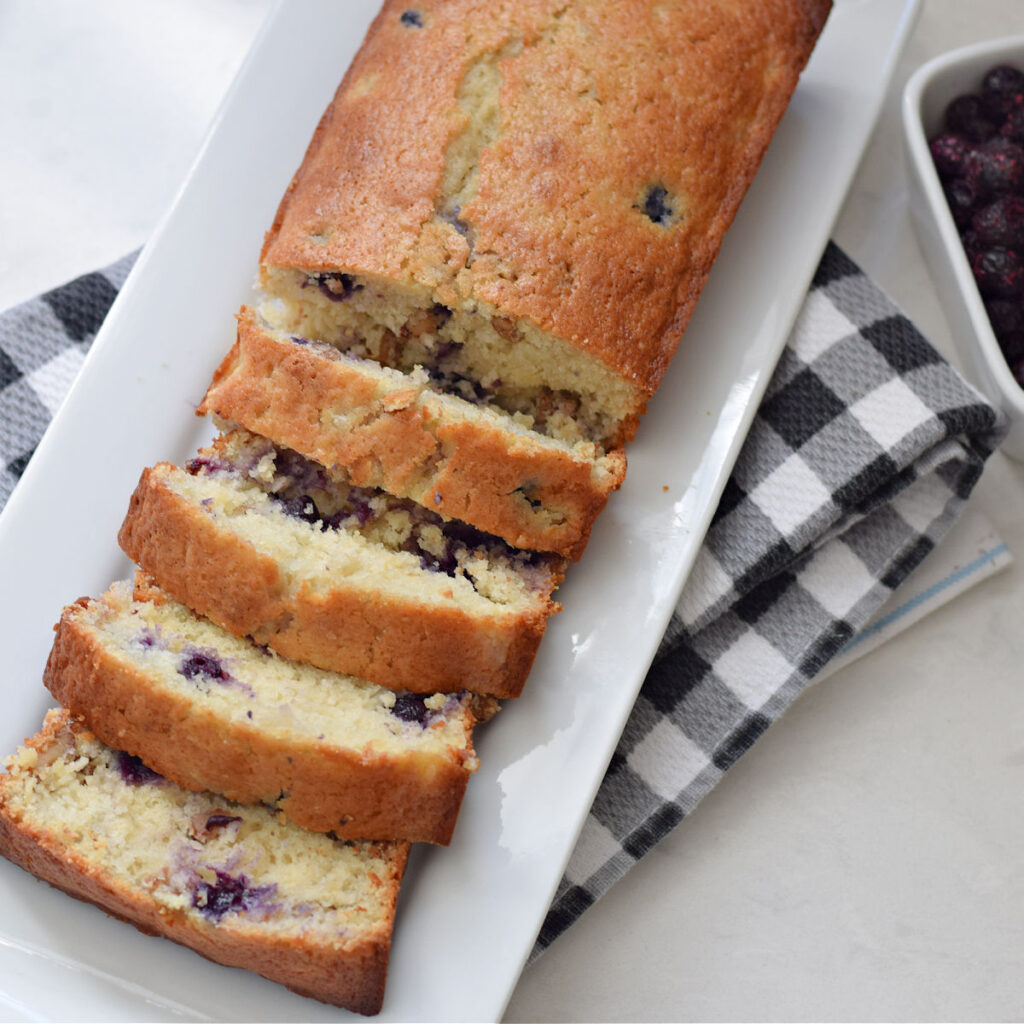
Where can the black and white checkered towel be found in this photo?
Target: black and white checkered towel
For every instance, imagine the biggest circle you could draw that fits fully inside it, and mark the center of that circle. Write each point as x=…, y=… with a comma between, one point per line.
x=863, y=452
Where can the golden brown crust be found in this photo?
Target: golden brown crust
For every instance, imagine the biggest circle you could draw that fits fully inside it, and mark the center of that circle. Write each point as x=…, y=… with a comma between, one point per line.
x=599, y=101
x=353, y=629
x=357, y=795
x=534, y=496
x=352, y=977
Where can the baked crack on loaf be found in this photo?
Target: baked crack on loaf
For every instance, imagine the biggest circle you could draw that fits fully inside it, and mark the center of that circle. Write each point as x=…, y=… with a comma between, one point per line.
x=210, y=711
x=524, y=199
x=271, y=545
x=234, y=883
x=396, y=431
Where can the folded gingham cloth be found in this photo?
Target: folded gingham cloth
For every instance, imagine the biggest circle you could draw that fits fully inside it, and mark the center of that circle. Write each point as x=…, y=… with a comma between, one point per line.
x=863, y=452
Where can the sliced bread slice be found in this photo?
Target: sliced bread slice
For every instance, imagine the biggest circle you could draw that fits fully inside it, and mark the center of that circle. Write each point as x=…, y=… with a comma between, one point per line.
x=235, y=883
x=271, y=545
x=396, y=431
x=214, y=712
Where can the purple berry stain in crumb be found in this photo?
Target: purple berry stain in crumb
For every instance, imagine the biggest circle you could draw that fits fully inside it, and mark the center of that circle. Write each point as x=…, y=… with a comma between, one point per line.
x=303, y=507
x=202, y=664
x=149, y=636
x=336, y=286
x=411, y=707
x=411, y=18
x=133, y=772
x=230, y=894
x=219, y=821
x=201, y=462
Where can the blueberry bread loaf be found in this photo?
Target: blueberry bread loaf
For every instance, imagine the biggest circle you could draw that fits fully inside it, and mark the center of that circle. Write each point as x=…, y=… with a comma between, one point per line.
x=525, y=201
x=211, y=711
x=402, y=433
x=271, y=545
x=234, y=883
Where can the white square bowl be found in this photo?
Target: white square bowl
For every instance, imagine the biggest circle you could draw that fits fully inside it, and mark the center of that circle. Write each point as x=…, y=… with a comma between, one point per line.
x=925, y=98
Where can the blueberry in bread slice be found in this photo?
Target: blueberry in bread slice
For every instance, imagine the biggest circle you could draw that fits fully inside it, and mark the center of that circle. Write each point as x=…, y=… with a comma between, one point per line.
x=271, y=545
x=404, y=433
x=235, y=883
x=211, y=711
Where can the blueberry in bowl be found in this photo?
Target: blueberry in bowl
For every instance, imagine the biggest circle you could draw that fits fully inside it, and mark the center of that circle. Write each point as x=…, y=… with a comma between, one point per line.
x=963, y=119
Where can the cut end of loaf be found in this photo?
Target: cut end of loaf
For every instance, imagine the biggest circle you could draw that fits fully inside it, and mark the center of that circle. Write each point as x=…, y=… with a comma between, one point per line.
x=465, y=349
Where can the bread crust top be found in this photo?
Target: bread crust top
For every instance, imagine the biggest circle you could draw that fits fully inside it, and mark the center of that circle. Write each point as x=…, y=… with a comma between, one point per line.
x=609, y=144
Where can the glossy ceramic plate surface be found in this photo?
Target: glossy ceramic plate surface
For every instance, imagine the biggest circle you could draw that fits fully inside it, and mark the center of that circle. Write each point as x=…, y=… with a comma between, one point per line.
x=468, y=914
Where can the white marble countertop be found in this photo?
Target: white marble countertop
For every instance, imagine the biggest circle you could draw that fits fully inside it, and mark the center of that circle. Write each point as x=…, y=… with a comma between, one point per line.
x=862, y=861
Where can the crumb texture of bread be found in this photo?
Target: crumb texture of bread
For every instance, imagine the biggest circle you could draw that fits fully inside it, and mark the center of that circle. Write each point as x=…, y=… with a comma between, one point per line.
x=214, y=712
x=273, y=546
x=535, y=191
x=233, y=882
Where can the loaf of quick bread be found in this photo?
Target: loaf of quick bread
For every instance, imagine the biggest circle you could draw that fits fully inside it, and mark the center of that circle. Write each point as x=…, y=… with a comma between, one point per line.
x=211, y=711
x=274, y=546
x=235, y=883
x=524, y=200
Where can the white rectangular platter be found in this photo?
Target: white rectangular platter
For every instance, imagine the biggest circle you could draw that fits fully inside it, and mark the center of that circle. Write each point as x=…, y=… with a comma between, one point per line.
x=468, y=914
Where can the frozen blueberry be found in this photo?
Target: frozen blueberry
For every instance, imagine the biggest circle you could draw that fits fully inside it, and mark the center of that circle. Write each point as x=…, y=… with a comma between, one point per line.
x=1007, y=315
x=411, y=707
x=1002, y=89
x=949, y=152
x=1013, y=127
x=1001, y=222
x=411, y=18
x=999, y=273
x=1007, y=319
x=133, y=772
x=962, y=199
x=966, y=116
x=996, y=168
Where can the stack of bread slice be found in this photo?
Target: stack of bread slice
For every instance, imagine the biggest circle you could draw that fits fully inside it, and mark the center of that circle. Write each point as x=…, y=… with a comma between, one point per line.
x=472, y=288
